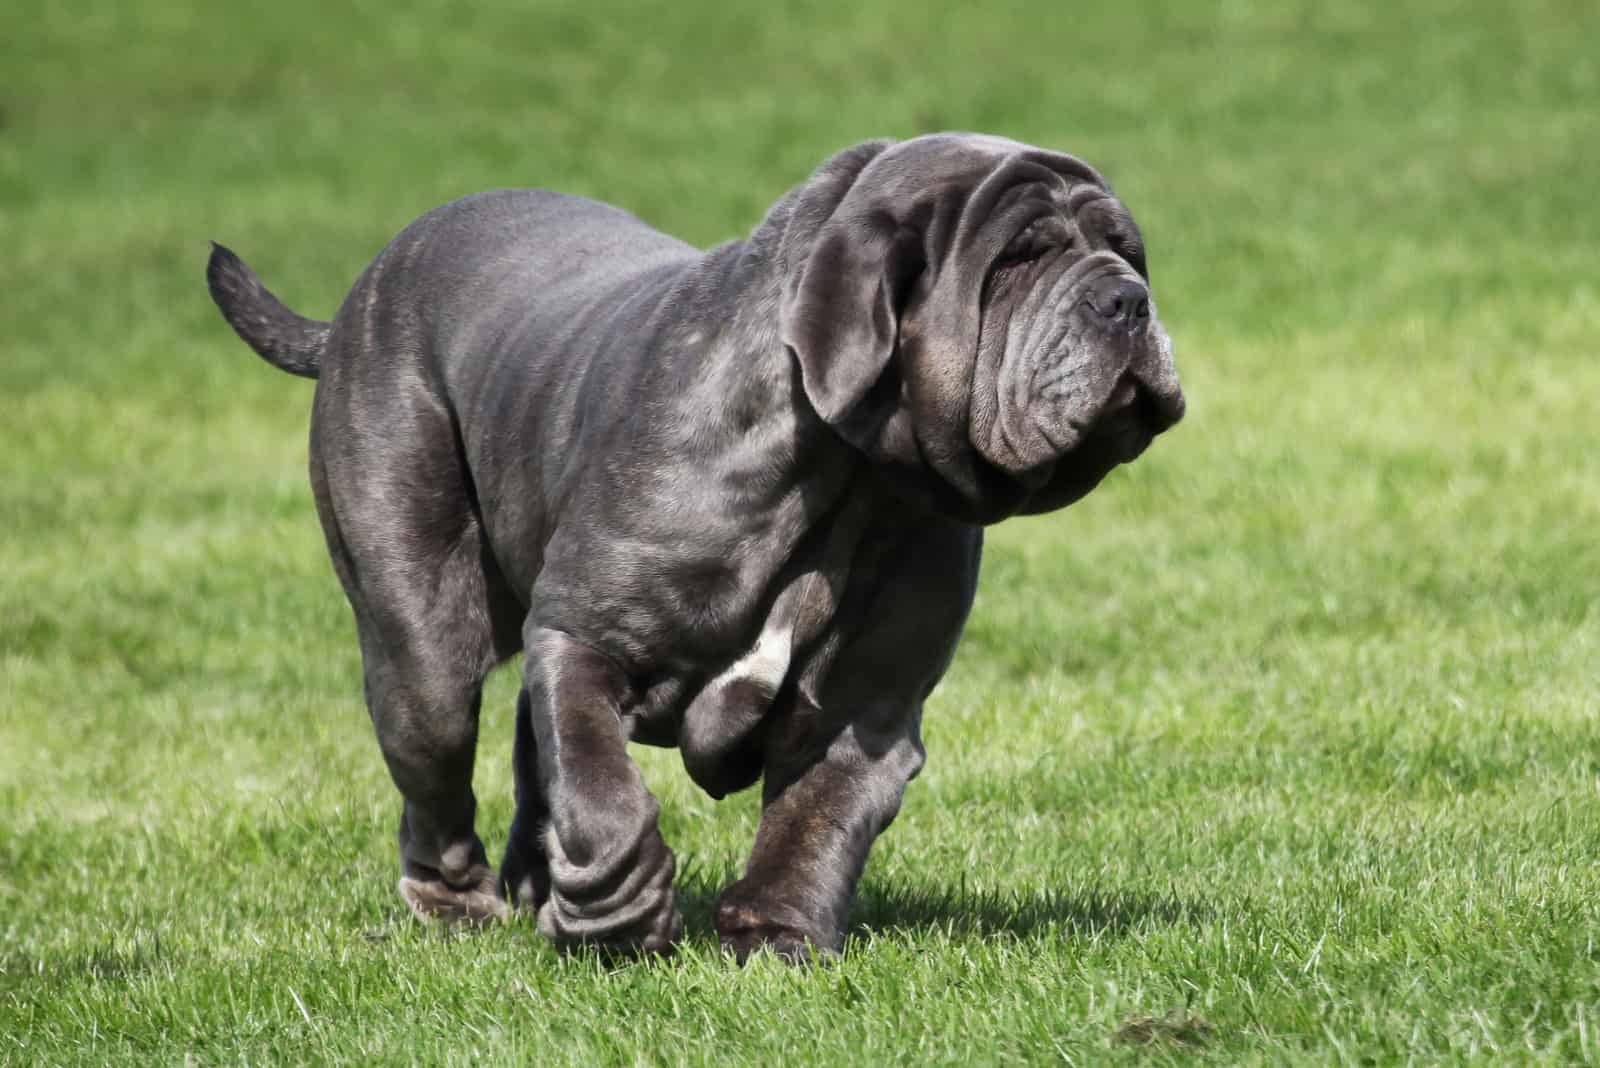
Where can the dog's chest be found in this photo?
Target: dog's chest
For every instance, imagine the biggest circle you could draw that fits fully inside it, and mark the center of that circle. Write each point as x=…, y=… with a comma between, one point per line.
x=720, y=725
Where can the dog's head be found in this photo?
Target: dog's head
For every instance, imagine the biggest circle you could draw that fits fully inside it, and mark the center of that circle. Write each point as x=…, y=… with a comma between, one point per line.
x=976, y=315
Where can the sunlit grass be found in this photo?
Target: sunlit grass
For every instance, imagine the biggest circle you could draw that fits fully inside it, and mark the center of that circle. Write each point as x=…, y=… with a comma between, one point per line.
x=1281, y=747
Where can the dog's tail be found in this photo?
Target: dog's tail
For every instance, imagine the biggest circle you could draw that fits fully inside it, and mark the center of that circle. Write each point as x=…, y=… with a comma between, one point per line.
x=287, y=341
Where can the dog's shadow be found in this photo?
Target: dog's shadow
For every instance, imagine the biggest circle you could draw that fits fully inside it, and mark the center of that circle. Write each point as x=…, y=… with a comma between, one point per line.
x=961, y=911
x=957, y=910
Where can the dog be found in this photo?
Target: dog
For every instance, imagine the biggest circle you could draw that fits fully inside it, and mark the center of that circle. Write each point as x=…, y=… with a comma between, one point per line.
x=729, y=501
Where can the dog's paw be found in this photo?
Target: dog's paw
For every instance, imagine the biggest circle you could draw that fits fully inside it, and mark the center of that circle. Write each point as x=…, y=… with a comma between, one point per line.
x=524, y=877
x=648, y=925
x=746, y=929
x=785, y=943
x=625, y=908
x=473, y=899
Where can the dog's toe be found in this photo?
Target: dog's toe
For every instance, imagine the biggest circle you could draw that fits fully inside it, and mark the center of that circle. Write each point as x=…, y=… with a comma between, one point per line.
x=789, y=946
x=476, y=900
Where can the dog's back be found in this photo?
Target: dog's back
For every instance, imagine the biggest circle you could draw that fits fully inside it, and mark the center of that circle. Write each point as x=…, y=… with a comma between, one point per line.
x=484, y=262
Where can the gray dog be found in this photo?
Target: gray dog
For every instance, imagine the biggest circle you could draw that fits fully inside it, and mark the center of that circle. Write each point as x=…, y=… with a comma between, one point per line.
x=728, y=501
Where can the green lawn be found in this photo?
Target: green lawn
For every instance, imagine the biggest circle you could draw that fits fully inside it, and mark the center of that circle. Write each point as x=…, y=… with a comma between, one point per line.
x=1284, y=746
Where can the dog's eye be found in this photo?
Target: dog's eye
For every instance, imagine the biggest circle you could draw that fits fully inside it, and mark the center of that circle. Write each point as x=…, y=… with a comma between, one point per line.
x=1025, y=248
x=1016, y=257
x=1130, y=250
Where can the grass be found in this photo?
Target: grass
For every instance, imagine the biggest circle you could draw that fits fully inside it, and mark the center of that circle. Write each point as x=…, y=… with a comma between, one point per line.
x=1280, y=748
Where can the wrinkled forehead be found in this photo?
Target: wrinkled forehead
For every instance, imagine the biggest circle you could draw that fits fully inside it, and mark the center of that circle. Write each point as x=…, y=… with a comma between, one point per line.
x=951, y=166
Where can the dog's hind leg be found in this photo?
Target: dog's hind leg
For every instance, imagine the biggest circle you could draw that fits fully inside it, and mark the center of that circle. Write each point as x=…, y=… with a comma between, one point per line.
x=423, y=692
x=525, y=869
x=432, y=613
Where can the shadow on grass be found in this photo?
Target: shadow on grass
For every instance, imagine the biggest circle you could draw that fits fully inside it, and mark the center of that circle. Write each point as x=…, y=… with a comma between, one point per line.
x=115, y=959
x=959, y=910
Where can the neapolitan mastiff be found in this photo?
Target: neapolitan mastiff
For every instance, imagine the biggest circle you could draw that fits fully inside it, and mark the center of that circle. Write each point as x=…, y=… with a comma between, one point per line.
x=729, y=501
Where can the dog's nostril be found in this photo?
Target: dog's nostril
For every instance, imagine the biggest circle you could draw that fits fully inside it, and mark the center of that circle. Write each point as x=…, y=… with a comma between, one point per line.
x=1121, y=301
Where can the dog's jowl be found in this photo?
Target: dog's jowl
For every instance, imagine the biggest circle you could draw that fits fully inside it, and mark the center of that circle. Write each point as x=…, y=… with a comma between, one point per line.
x=729, y=501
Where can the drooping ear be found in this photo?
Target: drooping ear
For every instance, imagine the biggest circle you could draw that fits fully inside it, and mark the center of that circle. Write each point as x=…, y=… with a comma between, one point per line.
x=841, y=315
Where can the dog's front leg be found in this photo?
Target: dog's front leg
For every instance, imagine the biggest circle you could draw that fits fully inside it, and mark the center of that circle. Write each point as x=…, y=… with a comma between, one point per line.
x=610, y=872
x=818, y=821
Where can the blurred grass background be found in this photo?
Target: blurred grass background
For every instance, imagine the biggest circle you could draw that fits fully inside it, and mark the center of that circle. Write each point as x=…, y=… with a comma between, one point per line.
x=1291, y=727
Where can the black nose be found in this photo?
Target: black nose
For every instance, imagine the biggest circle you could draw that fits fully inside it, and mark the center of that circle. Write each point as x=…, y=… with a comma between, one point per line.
x=1121, y=302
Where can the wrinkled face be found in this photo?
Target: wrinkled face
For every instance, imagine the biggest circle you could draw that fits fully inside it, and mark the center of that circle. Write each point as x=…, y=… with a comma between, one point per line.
x=976, y=316
x=1074, y=371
